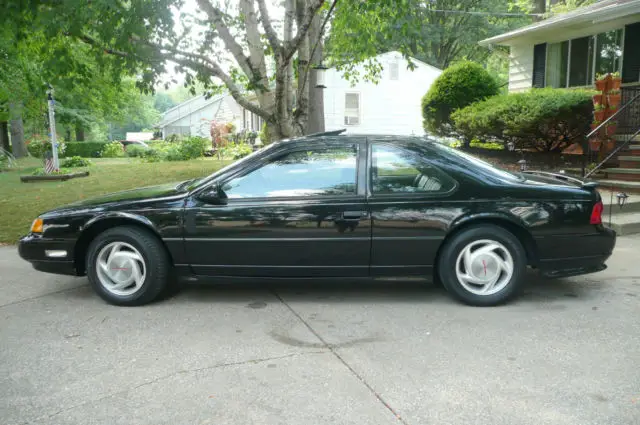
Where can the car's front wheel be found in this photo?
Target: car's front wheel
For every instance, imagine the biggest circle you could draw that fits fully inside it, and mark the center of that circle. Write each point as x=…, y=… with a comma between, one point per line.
x=127, y=266
x=483, y=265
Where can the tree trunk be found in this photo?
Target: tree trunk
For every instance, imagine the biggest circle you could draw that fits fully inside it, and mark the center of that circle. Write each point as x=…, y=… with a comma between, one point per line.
x=539, y=6
x=4, y=135
x=316, y=95
x=19, y=149
x=79, y=133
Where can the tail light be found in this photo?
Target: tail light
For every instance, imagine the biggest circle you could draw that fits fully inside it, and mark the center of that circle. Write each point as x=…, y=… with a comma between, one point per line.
x=596, y=213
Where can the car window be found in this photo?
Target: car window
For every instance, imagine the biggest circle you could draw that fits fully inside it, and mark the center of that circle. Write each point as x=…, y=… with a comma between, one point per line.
x=397, y=170
x=312, y=172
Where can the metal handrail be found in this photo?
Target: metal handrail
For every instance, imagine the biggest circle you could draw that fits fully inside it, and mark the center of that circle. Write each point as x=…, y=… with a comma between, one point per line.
x=594, y=131
x=615, y=151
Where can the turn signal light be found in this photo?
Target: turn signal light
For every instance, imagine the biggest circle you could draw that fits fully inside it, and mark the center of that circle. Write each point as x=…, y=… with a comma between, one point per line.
x=36, y=226
x=596, y=213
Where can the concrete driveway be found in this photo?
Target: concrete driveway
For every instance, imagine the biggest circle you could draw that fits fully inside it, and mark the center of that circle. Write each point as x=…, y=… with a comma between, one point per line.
x=567, y=352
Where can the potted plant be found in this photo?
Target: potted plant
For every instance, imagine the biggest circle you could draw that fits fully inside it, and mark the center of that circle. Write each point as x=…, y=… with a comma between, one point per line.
x=594, y=144
x=601, y=82
x=612, y=126
x=597, y=98
x=616, y=80
x=595, y=124
x=614, y=98
x=598, y=112
x=609, y=145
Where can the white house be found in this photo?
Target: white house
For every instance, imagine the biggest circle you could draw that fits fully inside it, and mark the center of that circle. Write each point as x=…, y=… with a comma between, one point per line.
x=194, y=117
x=568, y=50
x=392, y=106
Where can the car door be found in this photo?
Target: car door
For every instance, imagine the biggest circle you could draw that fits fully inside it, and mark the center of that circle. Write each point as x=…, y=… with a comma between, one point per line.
x=407, y=200
x=300, y=212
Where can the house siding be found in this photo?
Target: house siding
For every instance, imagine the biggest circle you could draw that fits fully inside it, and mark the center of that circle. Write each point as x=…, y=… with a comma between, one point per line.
x=520, y=67
x=393, y=106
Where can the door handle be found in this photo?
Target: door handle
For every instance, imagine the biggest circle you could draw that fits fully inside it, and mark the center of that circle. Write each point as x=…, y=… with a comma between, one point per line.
x=352, y=215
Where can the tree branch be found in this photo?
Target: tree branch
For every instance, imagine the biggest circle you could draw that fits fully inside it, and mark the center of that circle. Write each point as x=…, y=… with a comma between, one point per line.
x=93, y=42
x=292, y=46
x=256, y=48
x=215, y=16
x=272, y=37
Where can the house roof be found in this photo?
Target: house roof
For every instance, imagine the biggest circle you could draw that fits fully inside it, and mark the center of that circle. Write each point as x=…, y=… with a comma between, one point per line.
x=164, y=122
x=601, y=11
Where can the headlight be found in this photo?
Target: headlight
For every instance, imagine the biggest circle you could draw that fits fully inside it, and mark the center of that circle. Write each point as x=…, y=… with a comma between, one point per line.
x=36, y=226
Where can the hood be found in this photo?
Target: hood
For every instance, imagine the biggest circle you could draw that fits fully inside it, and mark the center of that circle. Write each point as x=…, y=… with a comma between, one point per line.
x=130, y=196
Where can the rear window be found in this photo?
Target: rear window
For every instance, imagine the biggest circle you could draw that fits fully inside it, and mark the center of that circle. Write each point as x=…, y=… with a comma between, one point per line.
x=477, y=162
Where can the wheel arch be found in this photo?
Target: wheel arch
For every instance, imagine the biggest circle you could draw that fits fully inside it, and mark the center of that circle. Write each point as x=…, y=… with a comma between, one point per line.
x=510, y=224
x=99, y=224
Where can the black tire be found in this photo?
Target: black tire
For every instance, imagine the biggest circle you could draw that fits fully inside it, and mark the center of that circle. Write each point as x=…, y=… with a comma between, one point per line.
x=448, y=259
x=157, y=265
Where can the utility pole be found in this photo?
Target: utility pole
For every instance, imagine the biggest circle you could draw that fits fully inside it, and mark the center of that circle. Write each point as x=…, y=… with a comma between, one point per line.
x=52, y=128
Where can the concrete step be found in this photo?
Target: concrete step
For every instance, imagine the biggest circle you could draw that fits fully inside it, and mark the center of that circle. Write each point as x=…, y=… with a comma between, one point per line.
x=628, y=174
x=610, y=201
x=631, y=161
x=624, y=137
x=614, y=185
x=623, y=223
x=633, y=149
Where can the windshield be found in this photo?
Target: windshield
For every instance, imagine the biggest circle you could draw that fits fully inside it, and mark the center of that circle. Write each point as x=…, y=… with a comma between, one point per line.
x=498, y=172
x=192, y=184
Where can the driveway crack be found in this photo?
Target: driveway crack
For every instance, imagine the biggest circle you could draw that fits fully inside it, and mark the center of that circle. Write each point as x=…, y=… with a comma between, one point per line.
x=332, y=348
x=167, y=376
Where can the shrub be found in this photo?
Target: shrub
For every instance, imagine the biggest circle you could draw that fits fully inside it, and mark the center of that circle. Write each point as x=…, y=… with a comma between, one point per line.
x=41, y=172
x=264, y=135
x=76, y=161
x=544, y=119
x=458, y=86
x=113, y=150
x=152, y=155
x=492, y=146
x=194, y=147
x=38, y=145
x=85, y=149
x=236, y=150
x=135, y=151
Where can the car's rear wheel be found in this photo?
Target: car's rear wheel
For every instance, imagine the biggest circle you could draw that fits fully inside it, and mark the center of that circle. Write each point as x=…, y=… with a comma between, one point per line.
x=127, y=266
x=483, y=265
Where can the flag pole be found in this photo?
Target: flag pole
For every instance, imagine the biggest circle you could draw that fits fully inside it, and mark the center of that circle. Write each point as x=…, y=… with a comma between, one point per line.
x=52, y=128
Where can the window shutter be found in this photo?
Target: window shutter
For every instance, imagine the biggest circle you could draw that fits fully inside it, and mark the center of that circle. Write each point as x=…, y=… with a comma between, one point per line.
x=539, y=64
x=631, y=55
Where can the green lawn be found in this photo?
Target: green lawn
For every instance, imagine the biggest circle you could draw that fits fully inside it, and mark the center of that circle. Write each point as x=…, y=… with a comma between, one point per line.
x=20, y=202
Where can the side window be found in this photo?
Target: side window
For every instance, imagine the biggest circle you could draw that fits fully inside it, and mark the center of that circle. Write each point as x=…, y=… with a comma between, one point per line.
x=327, y=171
x=395, y=170
x=352, y=109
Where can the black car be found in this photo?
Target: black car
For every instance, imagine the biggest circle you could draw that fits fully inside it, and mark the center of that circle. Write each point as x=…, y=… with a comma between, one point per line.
x=332, y=206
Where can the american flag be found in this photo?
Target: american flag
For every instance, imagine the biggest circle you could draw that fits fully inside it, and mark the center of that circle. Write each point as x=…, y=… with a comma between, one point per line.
x=48, y=163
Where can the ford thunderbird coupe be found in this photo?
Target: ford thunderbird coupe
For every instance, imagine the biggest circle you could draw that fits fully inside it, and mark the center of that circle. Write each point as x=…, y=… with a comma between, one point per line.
x=336, y=206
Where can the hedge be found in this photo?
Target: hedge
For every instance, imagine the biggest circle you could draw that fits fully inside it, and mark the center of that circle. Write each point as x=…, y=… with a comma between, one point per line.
x=458, y=86
x=544, y=119
x=84, y=149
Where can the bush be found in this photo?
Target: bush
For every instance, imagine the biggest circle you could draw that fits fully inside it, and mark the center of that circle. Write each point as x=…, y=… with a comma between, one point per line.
x=492, y=146
x=136, y=151
x=458, y=86
x=544, y=119
x=38, y=145
x=76, y=161
x=236, y=150
x=113, y=150
x=194, y=147
x=85, y=149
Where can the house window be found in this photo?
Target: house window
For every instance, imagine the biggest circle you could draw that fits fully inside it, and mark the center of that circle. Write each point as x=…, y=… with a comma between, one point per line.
x=394, y=70
x=575, y=63
x=352, y=109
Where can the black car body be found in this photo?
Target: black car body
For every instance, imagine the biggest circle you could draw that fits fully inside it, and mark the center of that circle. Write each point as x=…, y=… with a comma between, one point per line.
x=385, y=221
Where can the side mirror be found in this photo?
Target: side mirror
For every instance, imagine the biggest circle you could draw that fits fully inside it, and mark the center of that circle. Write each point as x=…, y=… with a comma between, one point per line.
x=213, y=195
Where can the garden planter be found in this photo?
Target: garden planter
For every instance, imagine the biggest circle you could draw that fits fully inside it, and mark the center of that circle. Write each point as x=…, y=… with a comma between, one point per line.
x=53, y=177
x=615, y=83
x=611, y=129
x=598, y=115
x=594, y=145
x=597, y=99
x=594, y=126
x=614, y=100
x=601, y=85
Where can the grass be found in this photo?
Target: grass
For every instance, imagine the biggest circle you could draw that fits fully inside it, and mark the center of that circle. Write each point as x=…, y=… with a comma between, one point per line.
x=21, y=202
